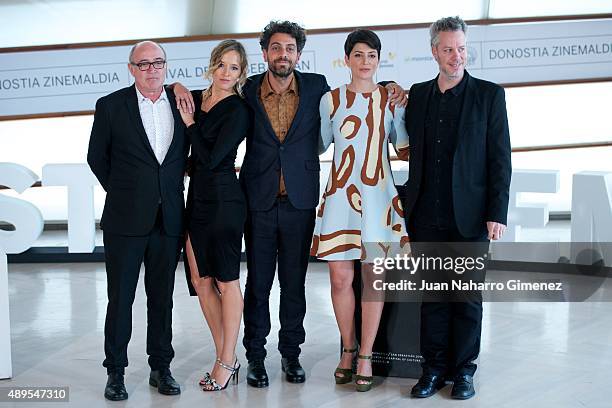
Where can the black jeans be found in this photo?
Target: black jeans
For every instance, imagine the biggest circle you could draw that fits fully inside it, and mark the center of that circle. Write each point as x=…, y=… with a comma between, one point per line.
x=281, y=233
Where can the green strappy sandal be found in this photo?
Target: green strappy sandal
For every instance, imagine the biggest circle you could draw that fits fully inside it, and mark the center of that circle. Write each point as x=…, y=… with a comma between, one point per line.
x=363, y=382
x=345, y=375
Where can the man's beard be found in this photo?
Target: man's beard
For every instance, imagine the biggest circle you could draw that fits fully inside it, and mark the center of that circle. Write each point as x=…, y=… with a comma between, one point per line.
x=454, y=74
x=283, y=72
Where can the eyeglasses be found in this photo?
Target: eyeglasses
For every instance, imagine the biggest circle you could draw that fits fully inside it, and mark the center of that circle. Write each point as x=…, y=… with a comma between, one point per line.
x=144, y=66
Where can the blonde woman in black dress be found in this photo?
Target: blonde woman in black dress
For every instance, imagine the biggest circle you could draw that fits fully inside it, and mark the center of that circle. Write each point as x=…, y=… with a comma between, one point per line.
x=216, y=207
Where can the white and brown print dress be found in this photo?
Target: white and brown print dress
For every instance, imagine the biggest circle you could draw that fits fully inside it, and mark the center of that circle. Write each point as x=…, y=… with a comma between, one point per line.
x=360, y=204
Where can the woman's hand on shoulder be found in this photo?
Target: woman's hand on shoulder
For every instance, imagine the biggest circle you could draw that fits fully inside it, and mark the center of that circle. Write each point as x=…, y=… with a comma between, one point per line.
x=184, y=99
x=397, y=95
x=186, y=116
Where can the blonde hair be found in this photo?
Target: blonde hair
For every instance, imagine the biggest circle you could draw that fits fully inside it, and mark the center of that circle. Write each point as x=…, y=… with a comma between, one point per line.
x=217, y=54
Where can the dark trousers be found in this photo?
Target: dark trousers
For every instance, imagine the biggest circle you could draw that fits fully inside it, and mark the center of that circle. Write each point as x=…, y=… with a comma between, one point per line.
x=124, y=255
x=281, y=233
x=450, y=330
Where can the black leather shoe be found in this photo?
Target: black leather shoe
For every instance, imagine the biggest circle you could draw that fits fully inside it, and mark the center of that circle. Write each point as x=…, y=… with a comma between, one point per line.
x=163, y=381
x=293, y=370
x=115, y=388
x=257, y=375
x=427, y=386
x=463, y=387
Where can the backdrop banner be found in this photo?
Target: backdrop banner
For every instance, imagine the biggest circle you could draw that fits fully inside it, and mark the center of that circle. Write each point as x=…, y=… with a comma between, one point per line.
x=72, y=79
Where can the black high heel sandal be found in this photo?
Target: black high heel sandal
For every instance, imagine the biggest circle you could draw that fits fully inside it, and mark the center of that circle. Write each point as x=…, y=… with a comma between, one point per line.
x=206, y=379
x=212, y=385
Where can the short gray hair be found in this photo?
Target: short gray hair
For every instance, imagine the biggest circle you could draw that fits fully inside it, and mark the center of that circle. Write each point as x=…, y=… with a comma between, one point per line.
x=138, y=44
x=445, y=24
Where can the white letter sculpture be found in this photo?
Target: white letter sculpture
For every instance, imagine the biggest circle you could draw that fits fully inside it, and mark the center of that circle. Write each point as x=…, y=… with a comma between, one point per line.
x=527, y=214
x=592, y=217
x=28, y=223
x=80, y=182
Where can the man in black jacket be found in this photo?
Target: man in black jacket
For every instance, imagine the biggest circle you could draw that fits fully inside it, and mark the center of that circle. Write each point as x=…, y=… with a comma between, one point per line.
x=457, y=191
x=138, y=151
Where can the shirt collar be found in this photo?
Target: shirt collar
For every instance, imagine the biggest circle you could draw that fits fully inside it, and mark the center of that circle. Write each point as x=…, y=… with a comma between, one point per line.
x=455, y=90
x=142, y=98
x=267, y=91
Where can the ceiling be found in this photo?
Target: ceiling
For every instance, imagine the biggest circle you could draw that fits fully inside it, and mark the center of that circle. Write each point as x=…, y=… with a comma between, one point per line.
x=44, y=22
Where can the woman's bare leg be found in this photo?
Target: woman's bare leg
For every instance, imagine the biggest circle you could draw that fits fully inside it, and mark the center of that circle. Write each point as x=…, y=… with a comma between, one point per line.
x=371, y=310
x=341, y=274
x=209, y=298
x=232, y=305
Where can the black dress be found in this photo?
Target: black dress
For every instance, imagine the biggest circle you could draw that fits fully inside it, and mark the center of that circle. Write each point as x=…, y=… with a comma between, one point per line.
x=216, y=207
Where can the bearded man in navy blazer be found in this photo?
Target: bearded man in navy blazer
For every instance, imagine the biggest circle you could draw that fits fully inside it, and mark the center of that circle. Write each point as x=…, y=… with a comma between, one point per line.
x=457, y=191
x=280, y=175
x=138, y=152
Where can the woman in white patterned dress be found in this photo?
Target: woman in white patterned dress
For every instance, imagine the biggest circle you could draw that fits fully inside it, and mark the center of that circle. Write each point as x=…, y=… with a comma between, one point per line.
x=360, y=204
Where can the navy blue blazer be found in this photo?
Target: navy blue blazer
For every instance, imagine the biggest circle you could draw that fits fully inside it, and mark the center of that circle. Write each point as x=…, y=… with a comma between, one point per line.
x=297, y=156
x=481, y=164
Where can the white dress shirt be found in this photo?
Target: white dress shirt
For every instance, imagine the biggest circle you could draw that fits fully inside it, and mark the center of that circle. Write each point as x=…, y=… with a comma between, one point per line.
x=158, y=122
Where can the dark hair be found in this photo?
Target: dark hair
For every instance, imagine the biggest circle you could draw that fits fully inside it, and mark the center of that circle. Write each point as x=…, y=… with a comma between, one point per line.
x=367, y=37
x=445, y=24
x=285, y=27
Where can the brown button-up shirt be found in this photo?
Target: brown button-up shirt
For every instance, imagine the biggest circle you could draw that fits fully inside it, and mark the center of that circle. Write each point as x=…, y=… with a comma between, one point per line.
x=281, y=109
